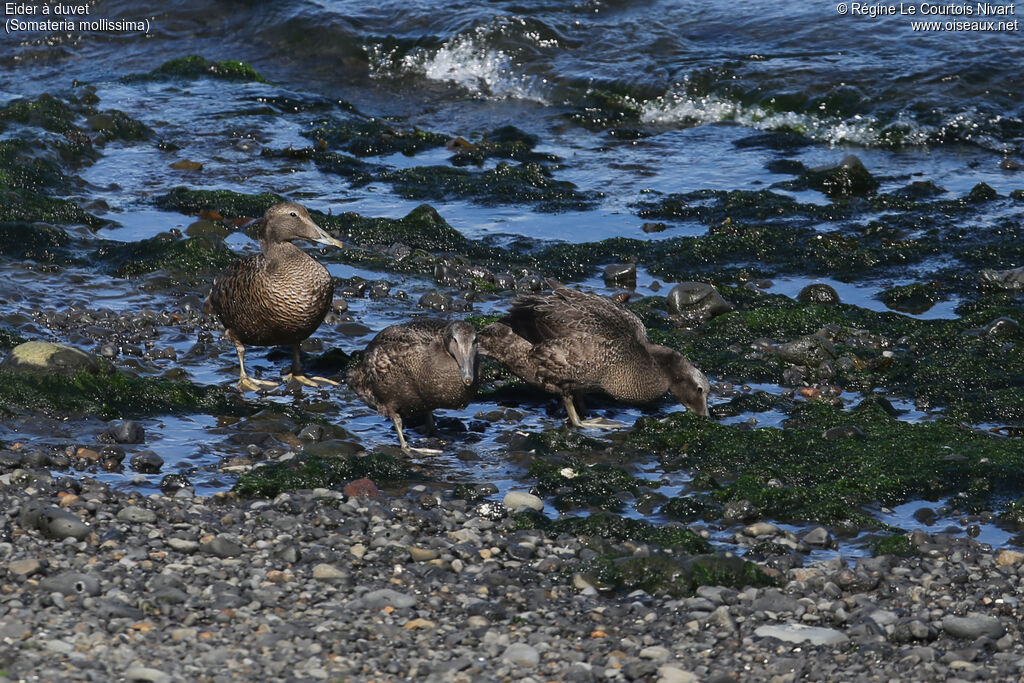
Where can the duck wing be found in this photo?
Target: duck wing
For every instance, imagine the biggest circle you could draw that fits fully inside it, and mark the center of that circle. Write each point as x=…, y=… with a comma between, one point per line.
x=569, y=312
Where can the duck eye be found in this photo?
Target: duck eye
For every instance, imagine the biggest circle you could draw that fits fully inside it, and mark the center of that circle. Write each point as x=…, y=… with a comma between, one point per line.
x=293, y=214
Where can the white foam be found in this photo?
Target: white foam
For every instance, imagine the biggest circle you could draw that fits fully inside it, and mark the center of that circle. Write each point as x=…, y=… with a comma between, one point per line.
x=466, y=61
x=681, y=107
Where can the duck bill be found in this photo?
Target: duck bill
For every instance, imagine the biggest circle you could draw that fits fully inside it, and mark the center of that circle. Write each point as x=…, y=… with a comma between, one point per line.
x=467, y=369
x=323, y=238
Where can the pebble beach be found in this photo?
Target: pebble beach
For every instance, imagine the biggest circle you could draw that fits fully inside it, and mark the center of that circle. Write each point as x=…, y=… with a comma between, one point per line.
x=98, y=585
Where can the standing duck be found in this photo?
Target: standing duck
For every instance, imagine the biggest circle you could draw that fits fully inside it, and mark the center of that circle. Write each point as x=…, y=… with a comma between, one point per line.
x=279, y=296
x=570, y=342
x=413, y=368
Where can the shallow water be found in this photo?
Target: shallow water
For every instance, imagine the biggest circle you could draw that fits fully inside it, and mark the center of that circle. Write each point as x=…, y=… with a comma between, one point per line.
x=636, y=102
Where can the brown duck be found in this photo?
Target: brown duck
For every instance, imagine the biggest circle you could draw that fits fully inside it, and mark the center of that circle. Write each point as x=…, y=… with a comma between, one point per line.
x=570, y=343
x=413, y=368
x=279, y=296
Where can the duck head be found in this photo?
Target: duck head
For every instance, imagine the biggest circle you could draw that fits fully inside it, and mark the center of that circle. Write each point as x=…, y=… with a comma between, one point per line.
x=460, y=343
x=688, y=384
x=289, y=221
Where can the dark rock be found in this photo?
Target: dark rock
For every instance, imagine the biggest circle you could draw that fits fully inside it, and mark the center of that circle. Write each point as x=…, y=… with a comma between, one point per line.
x=622, y=275
x=696, y=302
x=809, y=351
x=125, y=431
x=818, y=293
x=147, y=462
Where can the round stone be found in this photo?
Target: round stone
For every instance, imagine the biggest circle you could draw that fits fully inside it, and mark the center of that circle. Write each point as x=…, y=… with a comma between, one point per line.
x=696, y=302
x=518, y=499
x=47, y=358
x=818, y=293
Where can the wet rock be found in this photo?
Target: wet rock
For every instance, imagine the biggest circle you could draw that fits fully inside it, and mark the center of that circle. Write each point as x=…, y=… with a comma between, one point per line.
x=696, y=302
x=1012, y=279
x=530, y=283
x=146, y=462
x=849, y=179
x=1008, y=164
x=313, y=432
x=1002, y=327
x=47, y=358
x=809, y=351
x=818, y=293
x=654, y=227
x=436, y=301
x=620, y=275
x=818, y=537
x=172, y=483
x=126, y=431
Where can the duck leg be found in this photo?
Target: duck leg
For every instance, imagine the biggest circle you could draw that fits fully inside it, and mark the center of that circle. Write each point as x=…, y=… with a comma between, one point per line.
x=296, y=373
x=397, y=419
x=597, y=422
x=245, y=382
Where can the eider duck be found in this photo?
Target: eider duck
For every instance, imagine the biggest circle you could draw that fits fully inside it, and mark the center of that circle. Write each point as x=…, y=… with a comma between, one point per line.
x=570, y=342
x=413, y=368
x=279, y=296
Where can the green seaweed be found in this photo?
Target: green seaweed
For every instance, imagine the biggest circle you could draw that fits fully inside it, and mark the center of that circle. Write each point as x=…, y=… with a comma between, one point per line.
x=319, y=471
x=614, y=528
x=894, y=544
x=796, y=474
x=196, y=66
x=191, y=256
x=667, y=575
x=374, y=137
x=504, y=184
x=225, y=202
x=575, y=484
x=110, y=395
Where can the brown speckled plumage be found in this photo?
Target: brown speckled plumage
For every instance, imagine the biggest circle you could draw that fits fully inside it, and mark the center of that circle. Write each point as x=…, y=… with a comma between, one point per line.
x=413, y=368
x=570, y=342
x=279, y=296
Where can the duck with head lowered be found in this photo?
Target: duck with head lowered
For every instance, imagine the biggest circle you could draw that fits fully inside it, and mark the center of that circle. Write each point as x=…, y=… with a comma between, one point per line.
x=278, y=296
x=571, y=343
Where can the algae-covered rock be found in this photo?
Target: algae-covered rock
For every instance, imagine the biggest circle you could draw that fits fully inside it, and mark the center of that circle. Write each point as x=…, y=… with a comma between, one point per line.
x=810, y=351
x=319, y=471
x=849, y=179
x=195, y=66
x=193, y=256
x=668, y=575
x=617, y=529
x=696, y=302
x=225, y=202
x=48, y=358
x=797, y=474
x=914, y=298
x=109, y=395
x=818, y=293
x=576, y=484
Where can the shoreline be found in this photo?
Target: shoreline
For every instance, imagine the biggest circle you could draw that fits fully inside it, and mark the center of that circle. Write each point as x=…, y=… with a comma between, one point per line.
x=315, y=585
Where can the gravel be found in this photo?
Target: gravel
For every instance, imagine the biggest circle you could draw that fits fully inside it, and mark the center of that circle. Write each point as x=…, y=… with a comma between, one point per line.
x=314, y=585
